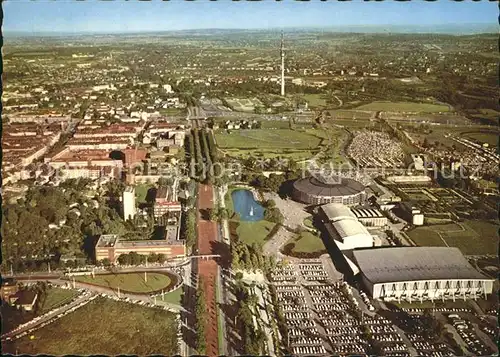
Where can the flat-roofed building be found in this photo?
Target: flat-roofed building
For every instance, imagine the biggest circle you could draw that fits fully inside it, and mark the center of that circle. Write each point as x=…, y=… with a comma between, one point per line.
x=413, y=179
x=420, y=273
x=128, y=201
x=166, y=201
x=111, y=247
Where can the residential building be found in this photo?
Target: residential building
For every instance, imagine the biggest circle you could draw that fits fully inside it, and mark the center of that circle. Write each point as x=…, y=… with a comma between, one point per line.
x=9, y=287
x=24, y=299
x=128, y=201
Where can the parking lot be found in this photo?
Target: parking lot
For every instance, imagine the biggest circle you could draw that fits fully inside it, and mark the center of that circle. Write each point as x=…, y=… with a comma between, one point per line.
x=323, y=315
x=468, y=334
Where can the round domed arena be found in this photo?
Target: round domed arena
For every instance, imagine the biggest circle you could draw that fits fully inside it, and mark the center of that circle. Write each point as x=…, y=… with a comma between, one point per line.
x=321, y=189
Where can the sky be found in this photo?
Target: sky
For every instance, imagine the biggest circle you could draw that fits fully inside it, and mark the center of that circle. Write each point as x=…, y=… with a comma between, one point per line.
x=121, y=16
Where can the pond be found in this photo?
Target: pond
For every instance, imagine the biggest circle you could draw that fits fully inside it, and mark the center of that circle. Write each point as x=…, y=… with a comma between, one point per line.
x=246, y=206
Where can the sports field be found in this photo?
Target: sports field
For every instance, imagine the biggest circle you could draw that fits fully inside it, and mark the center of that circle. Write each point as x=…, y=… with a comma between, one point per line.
x=404, y=107
x=104, y=327
x=315, y=100
x=261, y=138
x=244, y=104
x=349, y=114
x=130, y=282
x=471, y=237
x=491, y=138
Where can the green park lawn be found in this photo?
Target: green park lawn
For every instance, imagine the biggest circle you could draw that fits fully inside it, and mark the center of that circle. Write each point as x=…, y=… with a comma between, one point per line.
x=308, y=222
x=315, y=100
x=141, y=190
x=307, y=242
x=342, y=115
x=267, y=139
x=173, y=297
x=478, y=238
x=56, y=297
x=254, y=232
x=131, y=282
x=275, y=124
x=172, y=111
x=228, y=200
x=103, y=327
x=404, y=107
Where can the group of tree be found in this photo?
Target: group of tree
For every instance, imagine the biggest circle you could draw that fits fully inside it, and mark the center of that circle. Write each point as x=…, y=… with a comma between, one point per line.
x=29, y=242
x=200, y=164
x=272, y=213
x=250, y=257
x=133, y=258
x=218, y=213
x=201, y=320
x=253, y=337
x=188, y=228
x=205, y=162
x=280, y=319
x=190, y=151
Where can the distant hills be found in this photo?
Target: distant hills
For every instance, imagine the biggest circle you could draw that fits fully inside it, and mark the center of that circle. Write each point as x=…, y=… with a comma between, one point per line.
x=452, y=29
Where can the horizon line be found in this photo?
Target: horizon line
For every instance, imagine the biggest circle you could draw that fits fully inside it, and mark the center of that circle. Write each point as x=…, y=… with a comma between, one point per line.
x=410, y=28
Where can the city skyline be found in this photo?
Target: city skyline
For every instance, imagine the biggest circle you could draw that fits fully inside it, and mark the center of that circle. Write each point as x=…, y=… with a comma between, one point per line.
x=131, y=17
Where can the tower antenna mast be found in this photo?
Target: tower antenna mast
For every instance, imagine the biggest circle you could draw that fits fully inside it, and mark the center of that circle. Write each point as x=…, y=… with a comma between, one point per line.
x=282, y=53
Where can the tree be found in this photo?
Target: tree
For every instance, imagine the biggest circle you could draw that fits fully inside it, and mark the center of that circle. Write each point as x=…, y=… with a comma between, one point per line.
x=212, y=213
x=124, y=259
x=200, y=313
x=270, y=203
x=161, y=258
x=165, y=181
x=223, y=213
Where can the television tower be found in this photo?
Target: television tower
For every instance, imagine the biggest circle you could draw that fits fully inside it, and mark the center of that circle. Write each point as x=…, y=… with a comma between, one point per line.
x=282, y=53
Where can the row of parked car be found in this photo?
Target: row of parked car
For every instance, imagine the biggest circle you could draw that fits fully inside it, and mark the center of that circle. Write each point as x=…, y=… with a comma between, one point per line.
x=469, y=336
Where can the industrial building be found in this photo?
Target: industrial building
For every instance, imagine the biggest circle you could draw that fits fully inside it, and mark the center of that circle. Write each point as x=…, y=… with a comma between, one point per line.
x=321, y=189
x=420, y=273
x=412, y=214
x=344, y=228
x=128, y=201
x=370, y=217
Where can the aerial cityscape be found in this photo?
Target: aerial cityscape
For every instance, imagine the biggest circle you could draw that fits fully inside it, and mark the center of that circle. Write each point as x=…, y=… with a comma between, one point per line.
x=250, y=178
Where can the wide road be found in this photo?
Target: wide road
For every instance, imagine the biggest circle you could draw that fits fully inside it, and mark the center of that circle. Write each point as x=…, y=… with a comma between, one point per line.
x=207, y=268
